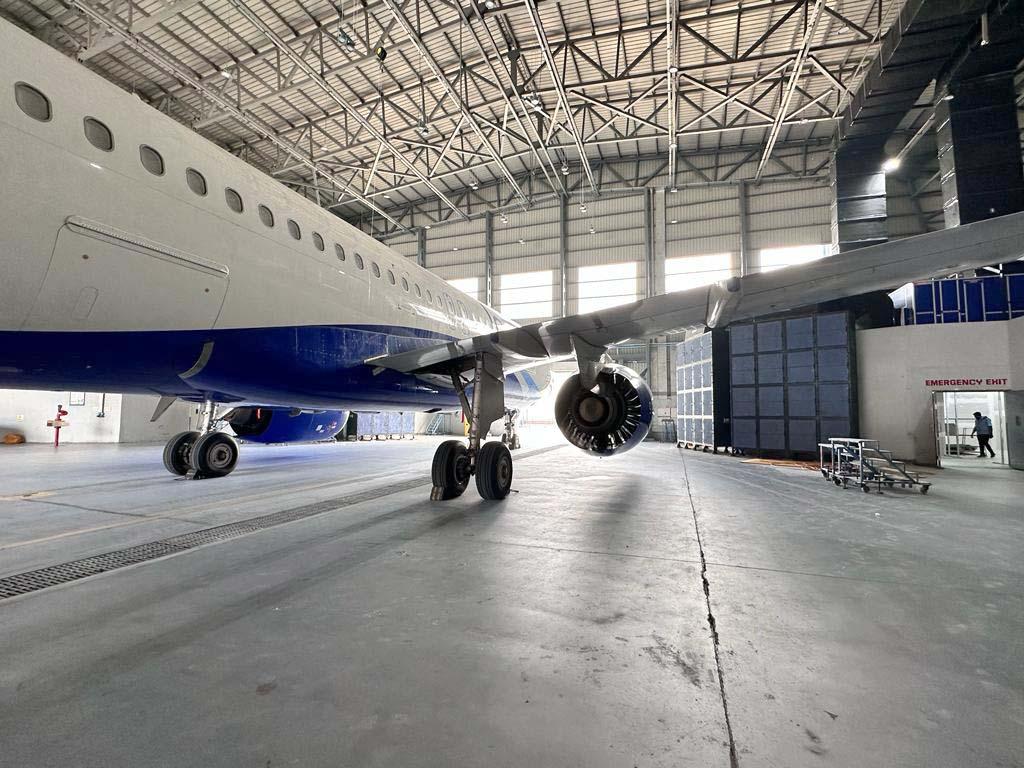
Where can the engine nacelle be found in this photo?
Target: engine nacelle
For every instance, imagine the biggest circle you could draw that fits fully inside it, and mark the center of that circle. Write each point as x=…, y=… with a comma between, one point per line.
x=277, y=425
x=612, y=417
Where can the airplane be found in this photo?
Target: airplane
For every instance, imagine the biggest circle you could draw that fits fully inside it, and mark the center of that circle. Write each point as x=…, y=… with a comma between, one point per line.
x=138, y=257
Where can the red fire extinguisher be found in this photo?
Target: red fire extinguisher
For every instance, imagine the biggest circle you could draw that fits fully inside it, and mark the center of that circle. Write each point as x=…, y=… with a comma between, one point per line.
x=57, y=422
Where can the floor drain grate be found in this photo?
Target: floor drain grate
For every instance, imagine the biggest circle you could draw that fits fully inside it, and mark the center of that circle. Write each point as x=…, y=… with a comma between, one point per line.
x=52, y=575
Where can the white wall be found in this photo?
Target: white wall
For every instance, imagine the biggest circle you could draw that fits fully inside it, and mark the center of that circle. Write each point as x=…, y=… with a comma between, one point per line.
x=27, y=412
x=126, y=417
x=1015, y=429
x=136, y=427
x=896, y=364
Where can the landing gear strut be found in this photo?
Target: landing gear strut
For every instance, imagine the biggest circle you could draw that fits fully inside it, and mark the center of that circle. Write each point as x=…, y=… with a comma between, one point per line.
x=202, y=454
x=510, y=437
x=491, y=463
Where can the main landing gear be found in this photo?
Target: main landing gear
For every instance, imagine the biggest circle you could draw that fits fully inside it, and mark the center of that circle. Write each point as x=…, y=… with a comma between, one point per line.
x=491, y=463
x=202, y=454
x=510, y=437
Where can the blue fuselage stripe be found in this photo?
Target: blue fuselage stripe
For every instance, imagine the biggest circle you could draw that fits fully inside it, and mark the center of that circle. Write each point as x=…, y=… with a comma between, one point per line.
x=294, y=366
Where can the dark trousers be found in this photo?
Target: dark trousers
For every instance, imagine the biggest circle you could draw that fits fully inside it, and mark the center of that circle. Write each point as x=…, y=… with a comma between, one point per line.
x=983, y=445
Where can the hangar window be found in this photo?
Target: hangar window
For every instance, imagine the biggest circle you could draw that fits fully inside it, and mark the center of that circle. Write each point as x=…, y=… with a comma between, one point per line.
x=375, y=269
x=98, y=134
x=405, y=285
x=293, y=229
x=391, y=277
x=359, y=261
x=196, y=182
x=234, y=200
x=151, y=160
x=607, y=285
x=527, y=294
x=32, y=102
x=340, y=252
x=687, y=272
x=266, y=216
x=468, y=285
x=770, y=259
x=318, y=242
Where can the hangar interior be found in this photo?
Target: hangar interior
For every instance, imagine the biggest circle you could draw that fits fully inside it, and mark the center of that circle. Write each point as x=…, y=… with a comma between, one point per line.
x=681, y=604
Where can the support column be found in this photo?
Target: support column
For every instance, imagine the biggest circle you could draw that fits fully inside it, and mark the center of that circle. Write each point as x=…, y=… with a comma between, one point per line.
x=746, y=266
x=858, y=198
x=563, y=254
x=421, y=247
x=489, y=259
x=980, y=150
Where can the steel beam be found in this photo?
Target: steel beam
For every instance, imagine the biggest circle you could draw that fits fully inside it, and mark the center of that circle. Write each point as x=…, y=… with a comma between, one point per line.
x=176, y=70
x=338, y=99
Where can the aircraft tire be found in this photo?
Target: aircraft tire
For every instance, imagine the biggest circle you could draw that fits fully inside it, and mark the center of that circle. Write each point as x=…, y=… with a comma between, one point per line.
x=214, y=455
x=177, y=452
x=450, y=470
x=494, y=471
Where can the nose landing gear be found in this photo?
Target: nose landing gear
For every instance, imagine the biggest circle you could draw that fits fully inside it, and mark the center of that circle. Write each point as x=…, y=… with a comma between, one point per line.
x=491, y=463
x=202, y=454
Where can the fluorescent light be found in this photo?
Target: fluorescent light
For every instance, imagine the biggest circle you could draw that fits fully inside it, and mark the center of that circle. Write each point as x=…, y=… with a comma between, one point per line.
x=890, y=165
x=674, y=221
x=97, y=167
x=225, y=74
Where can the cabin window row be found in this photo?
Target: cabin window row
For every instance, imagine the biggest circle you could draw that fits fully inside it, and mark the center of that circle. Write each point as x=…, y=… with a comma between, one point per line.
x=36, y=105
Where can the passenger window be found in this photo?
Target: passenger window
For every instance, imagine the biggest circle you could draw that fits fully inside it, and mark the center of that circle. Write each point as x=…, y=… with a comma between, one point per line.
x=391, y=277
x=196, y=182
x=405, y=285
x=151, y=160
x=318, y=242
x=339, y=252
x=32, y=102
x=462, y=309
x=266, y=216
x=375, y=268
x=98, y=134
x=419, y=293
x=359, y=261
x=234, y=200
x=430, y=297
x=293, y=230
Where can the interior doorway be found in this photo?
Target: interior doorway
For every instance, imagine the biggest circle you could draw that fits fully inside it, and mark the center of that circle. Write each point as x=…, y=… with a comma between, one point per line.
x=954, y=413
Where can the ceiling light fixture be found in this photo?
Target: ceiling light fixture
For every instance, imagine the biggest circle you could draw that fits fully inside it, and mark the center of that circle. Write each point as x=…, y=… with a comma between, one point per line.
x=890, y=165
x=225, y=74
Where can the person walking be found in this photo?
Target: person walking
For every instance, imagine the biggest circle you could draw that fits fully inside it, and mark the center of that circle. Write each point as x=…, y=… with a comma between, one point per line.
x=983, y=430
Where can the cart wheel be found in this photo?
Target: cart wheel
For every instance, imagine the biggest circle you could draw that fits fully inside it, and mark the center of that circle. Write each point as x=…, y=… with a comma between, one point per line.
x=837, y=481
x=924, y=489
x=846, y=484
x=866, y=488
x=824, y=473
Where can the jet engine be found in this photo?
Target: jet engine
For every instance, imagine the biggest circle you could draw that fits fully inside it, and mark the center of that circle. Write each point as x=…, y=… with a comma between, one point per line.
x=279, y=425
x=611, y=417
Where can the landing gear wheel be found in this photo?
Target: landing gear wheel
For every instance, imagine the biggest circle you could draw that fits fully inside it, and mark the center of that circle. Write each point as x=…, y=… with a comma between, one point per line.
x=494, y=471
x=214, y=455
x=177, y=452
x=450, y=470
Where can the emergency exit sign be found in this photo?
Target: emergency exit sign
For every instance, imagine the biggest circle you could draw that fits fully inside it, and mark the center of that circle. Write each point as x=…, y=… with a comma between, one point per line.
x=980, y=382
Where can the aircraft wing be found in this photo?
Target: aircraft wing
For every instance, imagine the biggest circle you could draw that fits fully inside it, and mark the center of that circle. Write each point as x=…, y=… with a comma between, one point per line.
x=880, y=267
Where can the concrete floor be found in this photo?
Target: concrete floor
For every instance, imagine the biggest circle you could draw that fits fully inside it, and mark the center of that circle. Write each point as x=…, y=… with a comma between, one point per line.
x=565, y=626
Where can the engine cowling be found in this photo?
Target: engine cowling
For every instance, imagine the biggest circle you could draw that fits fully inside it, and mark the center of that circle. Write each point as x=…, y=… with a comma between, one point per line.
x=612, y=417
x=276, y=425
